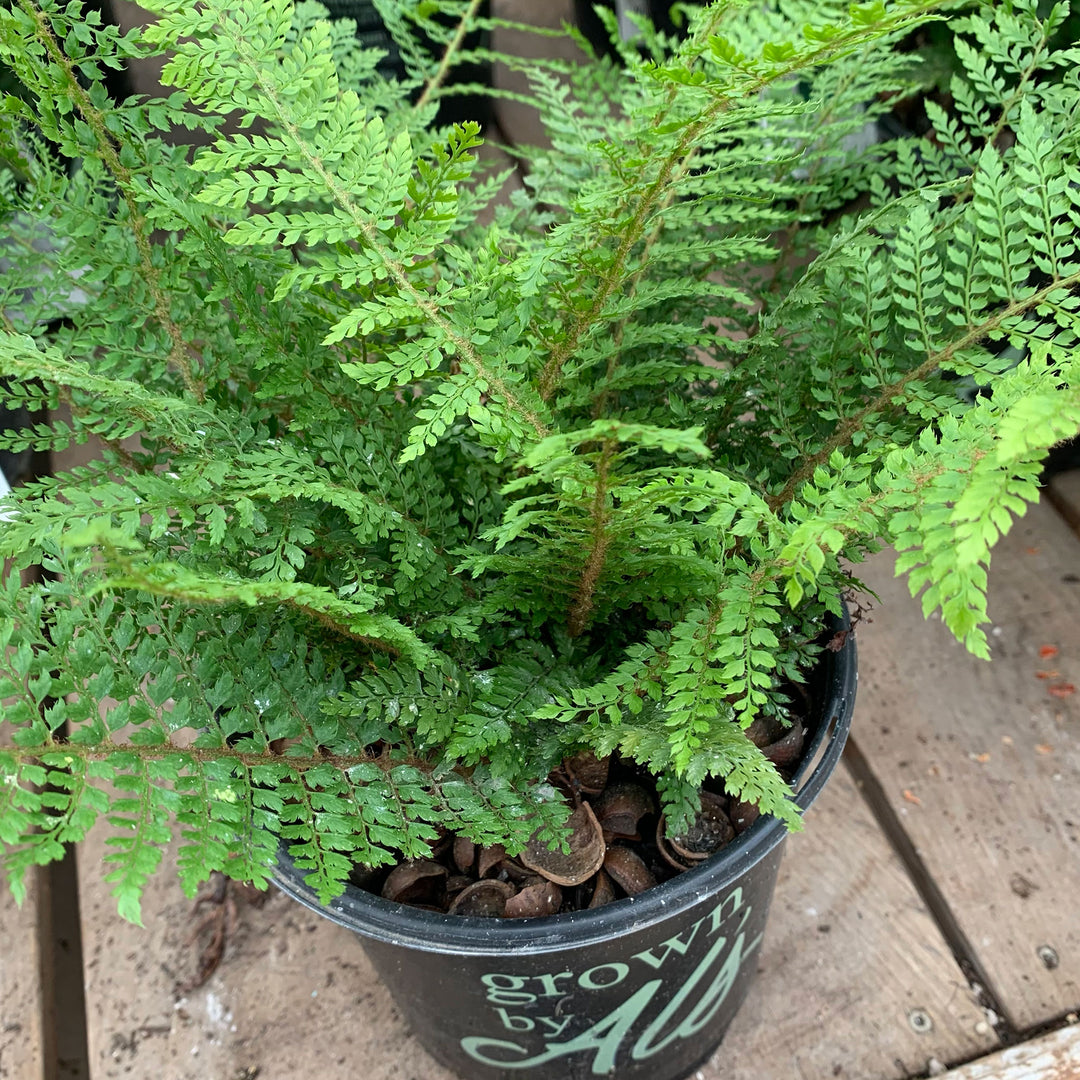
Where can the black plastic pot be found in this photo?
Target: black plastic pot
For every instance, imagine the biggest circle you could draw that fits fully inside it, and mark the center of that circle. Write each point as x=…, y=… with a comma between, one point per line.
x=643, y=988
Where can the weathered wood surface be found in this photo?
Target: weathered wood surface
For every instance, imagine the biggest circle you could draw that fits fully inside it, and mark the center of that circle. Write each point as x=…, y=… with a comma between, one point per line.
x=1065, y=494
x=21, y=1012
x=295, y=996
x=518, y=121
x=144, y=74
x=1054, y=1056
x=22, y=1034
x=982, y=761
x=854, y=979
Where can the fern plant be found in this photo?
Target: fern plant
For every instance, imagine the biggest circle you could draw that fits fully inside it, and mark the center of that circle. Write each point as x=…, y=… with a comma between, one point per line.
x=407, y=492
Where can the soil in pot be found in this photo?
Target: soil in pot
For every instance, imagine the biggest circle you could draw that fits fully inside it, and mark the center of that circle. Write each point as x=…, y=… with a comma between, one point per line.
x=619, y=844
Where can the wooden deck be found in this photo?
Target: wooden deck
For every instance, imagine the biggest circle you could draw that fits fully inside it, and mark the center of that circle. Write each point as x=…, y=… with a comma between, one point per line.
x=926, y=922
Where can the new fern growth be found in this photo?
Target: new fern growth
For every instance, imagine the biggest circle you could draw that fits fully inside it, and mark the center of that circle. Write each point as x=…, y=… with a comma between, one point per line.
x=406, y=492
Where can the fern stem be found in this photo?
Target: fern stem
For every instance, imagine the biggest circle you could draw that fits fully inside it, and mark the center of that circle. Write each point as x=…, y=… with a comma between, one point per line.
x=694, y=54
x=581, y=608
x=206, y=755
x=787, y=243
x=551, y=374
x=561, y=353
x=852, y=425
x=95, y=120
x=343, y=631
x=630, y=287
x=395, y=269
x=452, y=49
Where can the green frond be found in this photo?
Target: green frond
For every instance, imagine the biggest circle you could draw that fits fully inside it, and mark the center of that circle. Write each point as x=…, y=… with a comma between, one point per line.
x=407, y=489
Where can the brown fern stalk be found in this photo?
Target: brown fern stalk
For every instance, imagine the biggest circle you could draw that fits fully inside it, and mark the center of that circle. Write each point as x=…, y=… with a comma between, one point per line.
x=581, y=608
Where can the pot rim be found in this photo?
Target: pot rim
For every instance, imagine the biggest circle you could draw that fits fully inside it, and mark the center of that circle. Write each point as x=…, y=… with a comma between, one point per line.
x=399, y=924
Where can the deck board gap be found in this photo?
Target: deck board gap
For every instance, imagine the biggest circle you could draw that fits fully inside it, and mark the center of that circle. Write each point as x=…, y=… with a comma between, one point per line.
x=46, y=972
x=62, y=960
x=931, y=895
x=1069, y=1019
x=1063, y=1028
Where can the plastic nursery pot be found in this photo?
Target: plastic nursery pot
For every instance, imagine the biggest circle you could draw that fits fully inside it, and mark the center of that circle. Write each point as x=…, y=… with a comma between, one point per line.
x=642, y=988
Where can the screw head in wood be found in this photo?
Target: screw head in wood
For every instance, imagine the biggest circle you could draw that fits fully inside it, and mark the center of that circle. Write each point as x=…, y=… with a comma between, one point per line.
x=1049, y=957
x=920, y=1021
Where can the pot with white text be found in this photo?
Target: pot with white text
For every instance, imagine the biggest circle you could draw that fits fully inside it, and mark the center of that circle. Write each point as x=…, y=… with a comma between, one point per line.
x=641, y=989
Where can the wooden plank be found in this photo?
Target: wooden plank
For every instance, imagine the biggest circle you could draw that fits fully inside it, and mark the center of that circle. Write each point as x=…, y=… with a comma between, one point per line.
x=854, y=979
x=1054, y=1056
x=1064, y=493
x=22, y=1037
x=22, y=936
x=982, y=761
x=494, y=159
x=519, y=122
x=293, y=997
